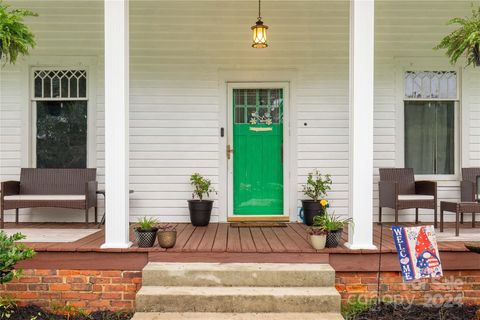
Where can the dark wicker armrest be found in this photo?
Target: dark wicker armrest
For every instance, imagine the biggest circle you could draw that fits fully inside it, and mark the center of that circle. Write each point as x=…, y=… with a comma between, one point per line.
x=426, y=188
x=388, y=193
x=91, y=193
x=467, y=191
x=10, y=188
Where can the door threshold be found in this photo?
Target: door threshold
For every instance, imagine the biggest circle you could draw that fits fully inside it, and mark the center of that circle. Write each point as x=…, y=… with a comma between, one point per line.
x=258, y=219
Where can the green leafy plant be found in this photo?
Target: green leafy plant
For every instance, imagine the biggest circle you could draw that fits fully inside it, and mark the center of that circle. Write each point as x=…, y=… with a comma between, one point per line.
x=202, y=186
x=331, y=222
x=317, y=185
x=12, y=252
x=464, y=40
x=70, y=311
x=15, y=36
x=7, y=307
x=147, y=224
x=352, y=309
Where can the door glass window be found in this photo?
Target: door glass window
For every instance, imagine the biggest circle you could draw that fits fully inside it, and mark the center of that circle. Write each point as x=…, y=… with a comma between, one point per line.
x=258, y=106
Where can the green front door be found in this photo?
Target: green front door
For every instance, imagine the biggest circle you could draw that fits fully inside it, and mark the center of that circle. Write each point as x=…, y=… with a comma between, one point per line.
x=258, y=152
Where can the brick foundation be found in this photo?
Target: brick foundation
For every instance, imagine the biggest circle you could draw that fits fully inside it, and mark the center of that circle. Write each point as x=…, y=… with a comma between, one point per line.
x=458, y=286
x=115, y=290
x=88, y=289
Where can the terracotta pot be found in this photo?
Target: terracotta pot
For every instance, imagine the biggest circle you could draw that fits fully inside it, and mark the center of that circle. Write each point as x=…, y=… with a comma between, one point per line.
x=318, y=241
x=167, y=239
x=200, y=212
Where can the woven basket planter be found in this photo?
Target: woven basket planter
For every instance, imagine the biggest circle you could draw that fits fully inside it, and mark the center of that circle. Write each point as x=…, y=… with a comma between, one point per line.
x=146, y=239
x=333, y=238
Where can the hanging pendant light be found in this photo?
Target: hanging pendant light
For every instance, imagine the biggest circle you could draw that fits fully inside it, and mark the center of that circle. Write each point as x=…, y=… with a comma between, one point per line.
x=259, y=31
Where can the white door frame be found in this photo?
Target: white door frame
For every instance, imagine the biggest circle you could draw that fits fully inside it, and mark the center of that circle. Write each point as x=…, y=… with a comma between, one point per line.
x=285, y=86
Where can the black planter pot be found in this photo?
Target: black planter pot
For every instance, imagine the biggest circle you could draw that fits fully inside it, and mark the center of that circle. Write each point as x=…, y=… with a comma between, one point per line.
x=311, y=209
x=146, y=239
x=333, y=238
x=200, y=211
x=476, y=53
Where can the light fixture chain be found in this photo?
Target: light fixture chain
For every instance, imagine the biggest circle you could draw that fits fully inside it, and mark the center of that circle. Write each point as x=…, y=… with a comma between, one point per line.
x=259, y=7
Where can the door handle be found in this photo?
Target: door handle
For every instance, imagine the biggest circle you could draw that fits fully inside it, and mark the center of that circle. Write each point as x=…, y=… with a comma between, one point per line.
x=229, y=151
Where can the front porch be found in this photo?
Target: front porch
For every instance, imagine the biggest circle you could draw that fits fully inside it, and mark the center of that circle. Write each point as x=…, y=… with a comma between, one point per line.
x=219, y=242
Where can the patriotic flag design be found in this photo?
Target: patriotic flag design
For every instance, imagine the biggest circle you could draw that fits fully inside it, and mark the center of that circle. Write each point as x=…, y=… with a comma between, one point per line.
x=417, y=252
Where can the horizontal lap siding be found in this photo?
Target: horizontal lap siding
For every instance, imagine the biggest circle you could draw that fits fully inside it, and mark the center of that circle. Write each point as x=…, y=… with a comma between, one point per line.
x=177, y=50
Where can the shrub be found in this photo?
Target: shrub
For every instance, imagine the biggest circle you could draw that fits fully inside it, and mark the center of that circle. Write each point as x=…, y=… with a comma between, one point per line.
x=317, y=185
x=202, y=186
x=12, y=252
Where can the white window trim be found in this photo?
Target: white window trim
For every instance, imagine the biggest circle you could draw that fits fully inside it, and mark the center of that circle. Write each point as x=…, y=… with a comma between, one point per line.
x=424, y=64
x=56, y=63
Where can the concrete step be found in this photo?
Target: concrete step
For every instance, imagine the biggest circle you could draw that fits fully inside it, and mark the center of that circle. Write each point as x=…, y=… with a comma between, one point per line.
x=235, y=316
x=237, y=299
x=238, y=274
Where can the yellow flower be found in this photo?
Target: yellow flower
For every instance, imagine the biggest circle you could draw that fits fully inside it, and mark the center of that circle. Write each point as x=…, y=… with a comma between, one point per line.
x=323, y=202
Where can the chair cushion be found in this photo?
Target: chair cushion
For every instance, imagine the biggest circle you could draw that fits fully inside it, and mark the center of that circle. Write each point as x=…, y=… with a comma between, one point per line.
x=45, y=197
x=410, y=197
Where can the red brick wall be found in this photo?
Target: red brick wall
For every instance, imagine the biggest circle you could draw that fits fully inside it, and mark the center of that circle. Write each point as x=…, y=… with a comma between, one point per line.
x=457, y=286
x=88, y=289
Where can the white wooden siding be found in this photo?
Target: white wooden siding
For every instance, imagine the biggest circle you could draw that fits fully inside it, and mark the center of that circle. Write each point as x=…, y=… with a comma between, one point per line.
x=177, y=51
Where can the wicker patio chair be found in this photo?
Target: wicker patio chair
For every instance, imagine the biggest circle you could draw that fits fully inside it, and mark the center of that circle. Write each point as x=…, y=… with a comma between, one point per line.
x=469, y=184
x=48, y=188
x=399, y=190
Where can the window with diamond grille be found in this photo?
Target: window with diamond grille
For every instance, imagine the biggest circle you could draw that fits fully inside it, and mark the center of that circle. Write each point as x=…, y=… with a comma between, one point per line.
x=429, y=113
x=60, y=105
x=60, y=84
x=431, y=85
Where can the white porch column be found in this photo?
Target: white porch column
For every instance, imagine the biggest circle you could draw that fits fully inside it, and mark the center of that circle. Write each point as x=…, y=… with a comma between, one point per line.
x=361, y=123
x=116, y=124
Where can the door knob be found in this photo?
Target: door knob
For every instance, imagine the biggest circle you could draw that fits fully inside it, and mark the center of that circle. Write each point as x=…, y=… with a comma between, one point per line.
x=229, y=151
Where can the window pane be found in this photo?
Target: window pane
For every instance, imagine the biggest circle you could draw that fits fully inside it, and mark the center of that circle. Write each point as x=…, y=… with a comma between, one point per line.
x=431, y=84
x=61, y=134
x=429, y=137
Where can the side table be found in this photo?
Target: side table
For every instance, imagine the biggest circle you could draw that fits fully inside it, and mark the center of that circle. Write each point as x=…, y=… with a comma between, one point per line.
x=102, y=192
x=458, y=208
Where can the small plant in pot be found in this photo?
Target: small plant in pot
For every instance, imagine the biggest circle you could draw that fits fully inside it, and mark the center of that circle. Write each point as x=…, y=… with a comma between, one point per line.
x=318, y=237
x=167, y=236
x=334, y=227
x=316, y=187
x=146, y=232
x=200, y=209
x=465, y=40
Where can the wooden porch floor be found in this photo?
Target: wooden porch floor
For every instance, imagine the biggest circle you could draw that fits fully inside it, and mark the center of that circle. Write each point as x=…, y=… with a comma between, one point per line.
x=221, y=238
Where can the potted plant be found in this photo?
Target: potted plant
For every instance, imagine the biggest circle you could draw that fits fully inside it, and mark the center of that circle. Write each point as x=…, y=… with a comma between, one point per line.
x=464, y=40
x=15, y=36
x=318, y=237
x=200, y=209
x=146, y=232
x=167, y=236
x=334, y=227
x=316, y=187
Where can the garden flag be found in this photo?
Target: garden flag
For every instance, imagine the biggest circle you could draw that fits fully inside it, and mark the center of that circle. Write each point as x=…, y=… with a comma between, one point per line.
x=417, y=252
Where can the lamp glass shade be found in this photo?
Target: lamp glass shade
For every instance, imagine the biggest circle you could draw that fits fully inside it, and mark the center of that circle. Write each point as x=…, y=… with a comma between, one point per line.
x=259, y=35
